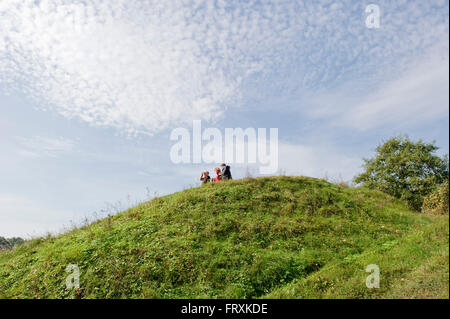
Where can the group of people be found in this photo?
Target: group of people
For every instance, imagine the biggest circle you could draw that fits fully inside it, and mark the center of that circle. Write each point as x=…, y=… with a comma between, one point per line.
x=222, y=174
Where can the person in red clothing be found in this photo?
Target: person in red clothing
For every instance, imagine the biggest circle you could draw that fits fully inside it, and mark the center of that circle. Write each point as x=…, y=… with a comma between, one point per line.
x=218, y=177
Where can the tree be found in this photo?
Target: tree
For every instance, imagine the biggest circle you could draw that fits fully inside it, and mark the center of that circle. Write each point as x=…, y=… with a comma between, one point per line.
x=8, y=243
x=405, y=169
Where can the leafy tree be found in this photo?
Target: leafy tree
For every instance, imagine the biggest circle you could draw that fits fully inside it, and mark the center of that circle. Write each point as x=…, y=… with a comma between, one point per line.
x=405, y=169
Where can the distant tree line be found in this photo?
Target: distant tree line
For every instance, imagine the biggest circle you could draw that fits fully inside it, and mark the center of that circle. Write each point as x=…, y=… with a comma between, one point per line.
x=8, y=243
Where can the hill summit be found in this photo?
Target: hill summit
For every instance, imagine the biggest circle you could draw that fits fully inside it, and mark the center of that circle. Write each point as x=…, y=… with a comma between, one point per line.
x=272, y=237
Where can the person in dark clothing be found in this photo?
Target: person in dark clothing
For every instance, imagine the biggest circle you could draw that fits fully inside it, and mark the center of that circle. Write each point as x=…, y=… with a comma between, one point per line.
x=226, y=172
x=205, y=177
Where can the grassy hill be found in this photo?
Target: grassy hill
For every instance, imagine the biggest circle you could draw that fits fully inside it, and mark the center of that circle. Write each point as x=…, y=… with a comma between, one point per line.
x=275, y=237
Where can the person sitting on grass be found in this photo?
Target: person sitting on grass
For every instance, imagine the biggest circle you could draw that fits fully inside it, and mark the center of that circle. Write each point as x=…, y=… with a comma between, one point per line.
x=226, y=172
x=205, y=178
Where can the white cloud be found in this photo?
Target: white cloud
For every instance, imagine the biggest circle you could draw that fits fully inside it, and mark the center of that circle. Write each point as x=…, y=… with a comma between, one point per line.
x=134, y=66
x=144, y=66
x=422, y=94
x=418, y=95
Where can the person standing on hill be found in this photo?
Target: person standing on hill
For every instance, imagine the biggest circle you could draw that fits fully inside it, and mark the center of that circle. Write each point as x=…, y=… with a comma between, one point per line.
x=205, y=177
x=226, y=172
x=218, y=177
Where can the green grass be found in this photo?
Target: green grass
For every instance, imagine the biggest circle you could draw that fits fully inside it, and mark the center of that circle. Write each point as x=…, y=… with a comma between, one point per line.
x=275, y=237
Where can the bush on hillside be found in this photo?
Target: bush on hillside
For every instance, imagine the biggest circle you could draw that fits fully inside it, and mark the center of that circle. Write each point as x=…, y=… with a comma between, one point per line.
x=437, y=202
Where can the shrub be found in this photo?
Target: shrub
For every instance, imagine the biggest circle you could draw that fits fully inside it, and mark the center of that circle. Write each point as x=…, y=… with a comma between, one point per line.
x=437, y=202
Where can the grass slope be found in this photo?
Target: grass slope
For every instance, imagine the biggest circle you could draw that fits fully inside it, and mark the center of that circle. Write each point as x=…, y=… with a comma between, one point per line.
x=276, y=237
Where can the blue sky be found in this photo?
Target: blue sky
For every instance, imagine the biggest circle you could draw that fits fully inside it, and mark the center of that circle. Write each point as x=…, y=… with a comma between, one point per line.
x=90, y=91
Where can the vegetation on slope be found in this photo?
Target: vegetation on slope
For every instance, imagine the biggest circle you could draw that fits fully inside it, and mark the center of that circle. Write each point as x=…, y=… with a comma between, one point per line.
x=8, y=243
x=406, y=169
x=289, y=237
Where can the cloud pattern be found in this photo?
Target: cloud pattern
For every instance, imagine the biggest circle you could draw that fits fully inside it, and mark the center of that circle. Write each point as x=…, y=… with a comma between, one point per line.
x=144, y=66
